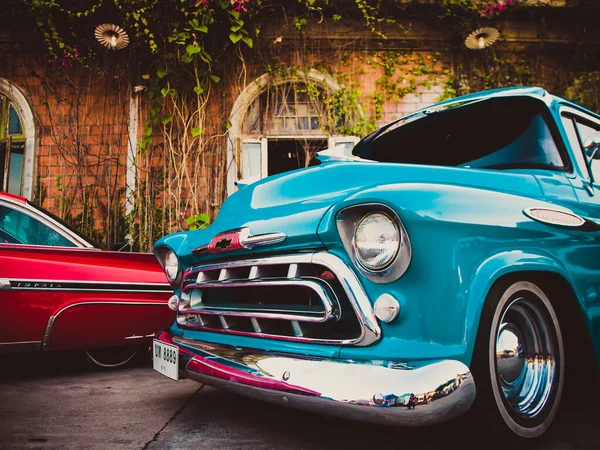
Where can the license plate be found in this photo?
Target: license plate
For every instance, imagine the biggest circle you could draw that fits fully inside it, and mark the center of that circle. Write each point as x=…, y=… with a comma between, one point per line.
x=166, y=359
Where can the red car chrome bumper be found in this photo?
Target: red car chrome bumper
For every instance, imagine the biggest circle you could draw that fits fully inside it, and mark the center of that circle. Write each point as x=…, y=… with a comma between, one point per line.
x=368, y=391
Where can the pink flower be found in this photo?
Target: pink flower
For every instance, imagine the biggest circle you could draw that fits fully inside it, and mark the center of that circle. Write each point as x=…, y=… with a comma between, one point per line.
x=239, y=5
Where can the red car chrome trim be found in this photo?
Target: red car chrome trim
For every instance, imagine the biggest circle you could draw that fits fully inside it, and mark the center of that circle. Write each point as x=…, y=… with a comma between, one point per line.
x=80, y=285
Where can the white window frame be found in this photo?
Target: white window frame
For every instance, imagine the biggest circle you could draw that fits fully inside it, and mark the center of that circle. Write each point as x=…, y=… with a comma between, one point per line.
x=17, y=98
x=238, y=114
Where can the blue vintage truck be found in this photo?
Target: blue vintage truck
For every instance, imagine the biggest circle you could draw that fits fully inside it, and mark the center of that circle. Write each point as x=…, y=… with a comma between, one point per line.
x=450, y=261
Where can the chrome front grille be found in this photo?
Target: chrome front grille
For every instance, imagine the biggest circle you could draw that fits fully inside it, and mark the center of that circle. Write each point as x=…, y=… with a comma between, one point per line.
x=311, y=297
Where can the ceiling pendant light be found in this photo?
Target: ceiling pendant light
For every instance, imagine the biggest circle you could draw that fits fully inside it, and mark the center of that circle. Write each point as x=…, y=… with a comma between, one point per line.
x=112, y=36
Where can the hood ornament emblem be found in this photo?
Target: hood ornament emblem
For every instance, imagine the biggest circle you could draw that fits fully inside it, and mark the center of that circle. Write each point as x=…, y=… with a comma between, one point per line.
x=238, y=239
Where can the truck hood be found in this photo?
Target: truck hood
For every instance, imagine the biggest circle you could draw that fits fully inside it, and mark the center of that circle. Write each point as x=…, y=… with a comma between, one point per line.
x=295, y=202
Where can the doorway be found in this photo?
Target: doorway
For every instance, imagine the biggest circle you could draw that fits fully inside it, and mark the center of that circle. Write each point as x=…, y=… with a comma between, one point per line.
x=289, y=154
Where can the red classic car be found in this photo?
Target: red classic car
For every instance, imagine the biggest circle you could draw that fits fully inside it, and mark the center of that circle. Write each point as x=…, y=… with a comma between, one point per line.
x=58, y=291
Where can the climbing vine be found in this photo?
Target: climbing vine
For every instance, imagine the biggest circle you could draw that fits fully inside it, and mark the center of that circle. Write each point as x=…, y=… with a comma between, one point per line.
x=187, y=59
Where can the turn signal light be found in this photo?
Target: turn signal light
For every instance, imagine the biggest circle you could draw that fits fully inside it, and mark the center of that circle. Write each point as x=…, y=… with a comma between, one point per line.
x=173, y=302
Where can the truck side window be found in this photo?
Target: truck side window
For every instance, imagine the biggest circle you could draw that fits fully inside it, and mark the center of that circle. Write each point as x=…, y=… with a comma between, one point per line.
x=569, y=126
x=586, y=129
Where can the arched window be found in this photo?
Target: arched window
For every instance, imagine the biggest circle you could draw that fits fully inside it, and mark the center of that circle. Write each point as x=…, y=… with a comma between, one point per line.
x=17, y=141
x=278, y=125
x=287, y=108
x=12, y=147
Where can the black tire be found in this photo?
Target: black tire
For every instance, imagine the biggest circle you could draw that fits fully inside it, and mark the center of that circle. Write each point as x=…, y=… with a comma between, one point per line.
x=111, y=357
x=519, y=360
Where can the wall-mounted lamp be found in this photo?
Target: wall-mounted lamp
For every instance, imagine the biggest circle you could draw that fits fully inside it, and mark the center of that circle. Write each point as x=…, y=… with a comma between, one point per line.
x=482, y=38
x=112, y=36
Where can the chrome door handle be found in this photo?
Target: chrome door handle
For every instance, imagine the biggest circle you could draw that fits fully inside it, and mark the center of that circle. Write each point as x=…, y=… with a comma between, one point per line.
x=5, y=284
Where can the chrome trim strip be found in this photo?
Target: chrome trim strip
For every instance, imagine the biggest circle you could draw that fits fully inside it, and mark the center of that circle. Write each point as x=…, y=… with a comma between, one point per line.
x=330, y=308
x=26, y=346
x=530, y=213
x=52, y=319
x=279, y=337
x=368, y=391
x=369, y=326
x=263, y=239
x=274, y=260
x=123, y=283
x=371, y=331
x=247, y=240
x=96, y=286
x=135, y=336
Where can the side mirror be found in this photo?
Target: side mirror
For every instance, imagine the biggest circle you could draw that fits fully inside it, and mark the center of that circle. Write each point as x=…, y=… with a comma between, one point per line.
x=592, y=145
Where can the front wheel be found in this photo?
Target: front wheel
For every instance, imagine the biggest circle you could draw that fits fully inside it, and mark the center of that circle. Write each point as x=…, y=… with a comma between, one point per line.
x=518, y=363
x=111, y=357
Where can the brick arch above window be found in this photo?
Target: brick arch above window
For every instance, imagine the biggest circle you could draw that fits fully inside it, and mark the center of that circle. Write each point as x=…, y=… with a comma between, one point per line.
x=295, y=121
x=17, y=141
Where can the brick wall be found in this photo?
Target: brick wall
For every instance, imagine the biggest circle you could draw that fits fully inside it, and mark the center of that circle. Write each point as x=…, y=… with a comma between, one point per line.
x=81, y=119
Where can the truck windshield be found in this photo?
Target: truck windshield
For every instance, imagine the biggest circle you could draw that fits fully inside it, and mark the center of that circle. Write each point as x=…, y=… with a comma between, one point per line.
x=499, y=133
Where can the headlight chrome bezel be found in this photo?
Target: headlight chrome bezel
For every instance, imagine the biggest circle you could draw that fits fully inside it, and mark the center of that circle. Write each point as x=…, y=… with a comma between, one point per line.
x=347, y=221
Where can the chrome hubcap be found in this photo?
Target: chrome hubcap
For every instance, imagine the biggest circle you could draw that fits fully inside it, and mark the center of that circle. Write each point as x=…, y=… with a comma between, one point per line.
x=525, y=357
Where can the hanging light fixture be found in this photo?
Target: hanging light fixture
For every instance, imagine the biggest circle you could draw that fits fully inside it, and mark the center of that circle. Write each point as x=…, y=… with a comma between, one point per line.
x=482, y=38
x=112, y=36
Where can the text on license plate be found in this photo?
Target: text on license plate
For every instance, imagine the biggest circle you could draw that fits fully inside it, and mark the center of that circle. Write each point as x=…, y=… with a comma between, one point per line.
x=165, y=359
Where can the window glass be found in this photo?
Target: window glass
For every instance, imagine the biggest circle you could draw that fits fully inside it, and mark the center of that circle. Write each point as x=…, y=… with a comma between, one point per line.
x=12, y=142
x=27, y=230
x=586, y=130
x=14, y=124
x=287, y=108
x=250, y=159
x=15, y=173
x=503, y=133
x=574, y=141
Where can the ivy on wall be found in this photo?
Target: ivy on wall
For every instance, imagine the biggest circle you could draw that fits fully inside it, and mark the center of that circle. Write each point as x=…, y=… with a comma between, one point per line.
x=192, y=57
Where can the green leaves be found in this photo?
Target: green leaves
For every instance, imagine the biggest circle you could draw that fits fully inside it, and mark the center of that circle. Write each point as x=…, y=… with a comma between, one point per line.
x=166, y=119
x=196, y=25
x=248, y=41
x=198, y=221
x=161, y=72
x=235, y=37
x=238, y=32
x=192, y=49
x=168, y=91
x=196, y=132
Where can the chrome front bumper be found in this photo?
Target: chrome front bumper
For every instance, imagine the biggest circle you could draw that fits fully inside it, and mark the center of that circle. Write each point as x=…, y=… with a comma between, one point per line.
x=367, y=391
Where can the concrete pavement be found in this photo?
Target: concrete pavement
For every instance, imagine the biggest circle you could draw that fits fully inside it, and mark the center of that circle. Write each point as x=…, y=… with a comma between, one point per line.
x=48, y=401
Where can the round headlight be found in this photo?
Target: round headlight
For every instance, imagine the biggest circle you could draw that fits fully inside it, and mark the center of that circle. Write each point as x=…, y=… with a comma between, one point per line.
x=171, y=266
x=376, y=241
